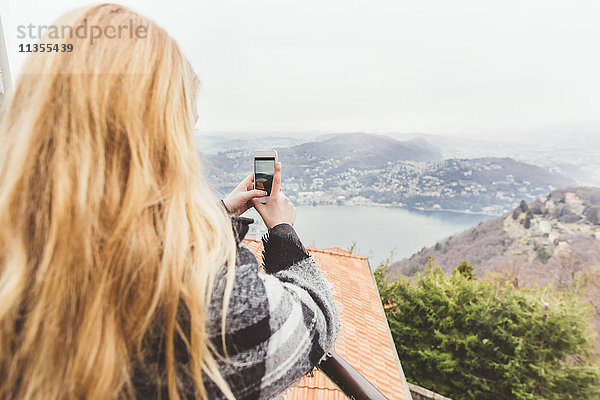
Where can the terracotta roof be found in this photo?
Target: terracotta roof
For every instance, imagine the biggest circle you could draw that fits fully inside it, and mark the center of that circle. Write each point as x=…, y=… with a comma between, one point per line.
x=364, y=339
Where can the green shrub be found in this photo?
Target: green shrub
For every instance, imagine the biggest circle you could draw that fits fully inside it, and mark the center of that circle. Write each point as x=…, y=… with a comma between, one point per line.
x=465, y=269
x=479, y=339
x=543, y=254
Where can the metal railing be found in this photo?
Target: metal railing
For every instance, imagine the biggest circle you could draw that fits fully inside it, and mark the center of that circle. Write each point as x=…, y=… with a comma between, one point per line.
x=348, y=379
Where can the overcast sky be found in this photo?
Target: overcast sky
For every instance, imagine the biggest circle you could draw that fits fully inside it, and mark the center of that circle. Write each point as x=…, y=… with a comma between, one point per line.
x=471, y=67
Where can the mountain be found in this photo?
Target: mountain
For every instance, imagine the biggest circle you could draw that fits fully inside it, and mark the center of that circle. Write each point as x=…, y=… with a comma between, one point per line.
x=362, y=169
x=583, y=132
x=552, y=240
x=572, y=149
x=361, y=150
x=489, y=185
x=325, y=157
x=565, y=219
x=213, y=143
x=503, y=170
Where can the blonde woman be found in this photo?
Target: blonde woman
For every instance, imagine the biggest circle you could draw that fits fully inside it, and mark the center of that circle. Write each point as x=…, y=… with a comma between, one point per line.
x=120, y=274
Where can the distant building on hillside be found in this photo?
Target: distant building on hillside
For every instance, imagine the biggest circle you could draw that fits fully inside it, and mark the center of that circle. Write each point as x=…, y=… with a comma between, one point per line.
x=571, y=198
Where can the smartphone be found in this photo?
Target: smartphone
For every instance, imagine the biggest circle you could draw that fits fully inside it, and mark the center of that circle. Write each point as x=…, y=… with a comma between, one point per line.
x=264, y=170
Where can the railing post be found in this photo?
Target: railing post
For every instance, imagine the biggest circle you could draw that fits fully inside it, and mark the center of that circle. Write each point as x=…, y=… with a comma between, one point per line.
x=5, y=82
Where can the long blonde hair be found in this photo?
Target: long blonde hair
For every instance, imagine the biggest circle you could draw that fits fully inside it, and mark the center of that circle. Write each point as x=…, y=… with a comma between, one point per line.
x=106, y=220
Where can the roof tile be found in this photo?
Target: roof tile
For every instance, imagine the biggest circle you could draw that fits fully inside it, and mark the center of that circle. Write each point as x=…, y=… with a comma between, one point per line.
x=364, y=339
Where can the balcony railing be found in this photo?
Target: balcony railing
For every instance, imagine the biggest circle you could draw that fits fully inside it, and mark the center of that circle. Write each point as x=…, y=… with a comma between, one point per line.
x=348, y=379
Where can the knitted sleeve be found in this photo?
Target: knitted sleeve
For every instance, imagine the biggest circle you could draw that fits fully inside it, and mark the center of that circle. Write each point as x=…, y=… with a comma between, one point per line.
x=280, y=324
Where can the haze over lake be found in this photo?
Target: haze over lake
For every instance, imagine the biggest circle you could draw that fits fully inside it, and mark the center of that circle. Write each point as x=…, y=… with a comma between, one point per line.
x=377, y=230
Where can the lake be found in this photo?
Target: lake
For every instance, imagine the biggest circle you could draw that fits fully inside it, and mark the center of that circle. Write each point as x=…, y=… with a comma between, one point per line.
x=377, y=231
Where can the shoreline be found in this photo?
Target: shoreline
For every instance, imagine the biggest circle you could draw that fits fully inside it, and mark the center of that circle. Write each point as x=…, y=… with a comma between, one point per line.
x=406, y=207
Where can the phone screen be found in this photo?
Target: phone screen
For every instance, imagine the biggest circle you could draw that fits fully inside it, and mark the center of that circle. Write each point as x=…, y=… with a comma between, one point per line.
x=264, y=169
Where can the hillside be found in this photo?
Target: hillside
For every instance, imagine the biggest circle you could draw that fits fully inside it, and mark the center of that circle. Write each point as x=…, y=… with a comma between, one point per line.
x=364, y=169
x=555, y=239
x=339, y=152
x=487, y=184
x=572, y=149
x=361, y=150
x=566, y=221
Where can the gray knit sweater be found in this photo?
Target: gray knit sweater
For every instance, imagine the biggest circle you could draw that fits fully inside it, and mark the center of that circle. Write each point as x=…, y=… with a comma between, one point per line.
x=280, y=324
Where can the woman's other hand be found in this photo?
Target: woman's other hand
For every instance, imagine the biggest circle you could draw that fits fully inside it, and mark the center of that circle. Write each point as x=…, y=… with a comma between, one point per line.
x=278, y=208
x=238, y=201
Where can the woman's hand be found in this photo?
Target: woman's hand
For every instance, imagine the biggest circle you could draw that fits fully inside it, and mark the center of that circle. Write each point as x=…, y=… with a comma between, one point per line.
x=278, y=208
x=238, y=201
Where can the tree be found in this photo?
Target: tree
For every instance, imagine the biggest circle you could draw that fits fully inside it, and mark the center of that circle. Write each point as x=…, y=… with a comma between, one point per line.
x=516, y=213
x=592, y=212
x=484, y=339
x=527, y=222
x=542, y=253
x=523, y=206
x=530, y=213
x=465, y=269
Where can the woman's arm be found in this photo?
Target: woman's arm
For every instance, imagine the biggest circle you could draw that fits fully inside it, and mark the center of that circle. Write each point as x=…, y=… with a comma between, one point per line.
x=279, y=324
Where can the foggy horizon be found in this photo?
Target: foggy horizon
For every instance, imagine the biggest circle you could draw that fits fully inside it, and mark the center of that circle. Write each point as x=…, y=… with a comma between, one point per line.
x=469, y=69
x=581, y=129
